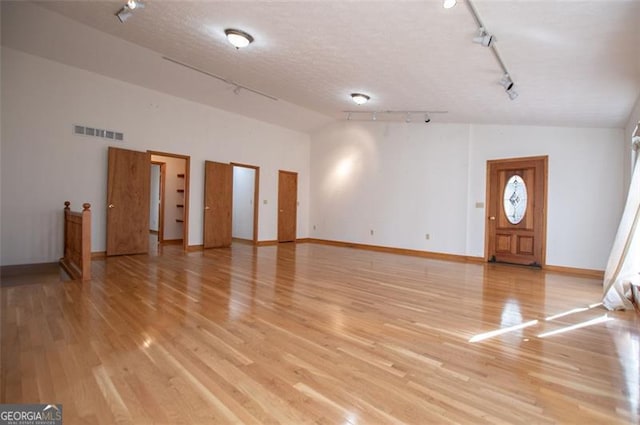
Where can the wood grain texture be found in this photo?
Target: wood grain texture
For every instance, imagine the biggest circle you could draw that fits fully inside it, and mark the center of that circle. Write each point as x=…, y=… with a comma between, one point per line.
x=218, y=204
x=77, y=242
x=307, y=333
x=128, y=193
x=287, y=206
x=524, y=242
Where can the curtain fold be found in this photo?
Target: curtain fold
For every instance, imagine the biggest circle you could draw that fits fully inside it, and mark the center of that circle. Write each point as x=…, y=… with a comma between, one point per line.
x=623, y=267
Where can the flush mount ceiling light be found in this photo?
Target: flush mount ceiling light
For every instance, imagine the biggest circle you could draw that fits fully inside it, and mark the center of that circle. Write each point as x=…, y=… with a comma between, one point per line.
x=238, y=38
x=448, y=4
x=127, y=10
x=483, y=38
x=360, y=98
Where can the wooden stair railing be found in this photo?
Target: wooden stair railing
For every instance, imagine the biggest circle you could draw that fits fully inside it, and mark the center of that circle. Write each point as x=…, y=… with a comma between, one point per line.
x=77, y=242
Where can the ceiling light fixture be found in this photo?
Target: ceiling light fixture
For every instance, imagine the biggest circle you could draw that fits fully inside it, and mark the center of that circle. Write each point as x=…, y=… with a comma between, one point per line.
x=126, y=11
x=508, y=85
x=484, y=38
x=506, y=82
x=448, y=4
x=390, y=115
x=238, y=38
x=487, y=40
x=360, y=98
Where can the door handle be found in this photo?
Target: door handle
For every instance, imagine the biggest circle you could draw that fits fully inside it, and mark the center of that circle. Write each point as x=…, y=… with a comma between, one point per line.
x=111, y=206
x=207, y=208
x=281, y=210
x=492, y=218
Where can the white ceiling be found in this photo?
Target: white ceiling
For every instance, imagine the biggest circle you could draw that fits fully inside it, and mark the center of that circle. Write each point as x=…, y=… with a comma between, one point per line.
x=575, y=63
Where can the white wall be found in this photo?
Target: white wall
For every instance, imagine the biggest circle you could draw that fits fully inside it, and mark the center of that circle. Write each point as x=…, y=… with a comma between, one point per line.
x=385, y=178
x=406, y=180
x=154, y=198
x=243, y=202
x=43, y=164
x=173, y=230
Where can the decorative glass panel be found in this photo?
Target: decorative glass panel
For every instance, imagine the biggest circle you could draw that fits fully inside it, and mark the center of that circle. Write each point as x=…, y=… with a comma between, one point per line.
x=515, y=199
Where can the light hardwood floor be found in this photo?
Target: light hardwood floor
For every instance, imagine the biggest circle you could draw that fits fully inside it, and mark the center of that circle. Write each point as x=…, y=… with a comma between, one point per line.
x=308, y=333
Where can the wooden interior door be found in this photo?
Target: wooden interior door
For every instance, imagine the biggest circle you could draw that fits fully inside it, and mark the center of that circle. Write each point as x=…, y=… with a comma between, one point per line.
x=287, y=206
x=128, y=192
x=516, y=210
x=218, y=204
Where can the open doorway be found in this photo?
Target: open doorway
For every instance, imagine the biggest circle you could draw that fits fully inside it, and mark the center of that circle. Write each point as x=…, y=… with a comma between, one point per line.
x=171, y=199
x=245, y=202
x=156, y=201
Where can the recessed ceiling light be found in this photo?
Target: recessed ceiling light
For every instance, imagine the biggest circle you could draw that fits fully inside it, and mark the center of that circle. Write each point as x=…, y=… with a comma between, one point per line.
x=238, y=38
x=360, y=98
x=448, y=4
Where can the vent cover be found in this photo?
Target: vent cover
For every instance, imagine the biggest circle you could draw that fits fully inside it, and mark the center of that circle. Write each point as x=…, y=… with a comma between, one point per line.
x=82, y=130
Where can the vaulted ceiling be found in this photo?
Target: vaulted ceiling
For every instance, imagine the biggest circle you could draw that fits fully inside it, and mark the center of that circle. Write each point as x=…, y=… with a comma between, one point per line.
x=575, y=63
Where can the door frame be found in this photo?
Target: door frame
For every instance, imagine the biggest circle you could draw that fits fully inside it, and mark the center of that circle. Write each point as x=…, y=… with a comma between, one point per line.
x=163, y=168
x=256, y=197
x=187, y=173
x=543, y=241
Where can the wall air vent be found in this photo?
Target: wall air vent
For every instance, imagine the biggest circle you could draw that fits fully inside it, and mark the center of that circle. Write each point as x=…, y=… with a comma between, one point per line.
x=82, y=130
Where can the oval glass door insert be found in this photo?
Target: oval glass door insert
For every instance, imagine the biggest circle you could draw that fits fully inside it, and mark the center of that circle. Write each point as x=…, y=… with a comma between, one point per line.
x=515, y=199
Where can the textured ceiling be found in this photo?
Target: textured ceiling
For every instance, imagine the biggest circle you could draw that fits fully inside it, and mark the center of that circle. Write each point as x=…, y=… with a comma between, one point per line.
x=575, y=63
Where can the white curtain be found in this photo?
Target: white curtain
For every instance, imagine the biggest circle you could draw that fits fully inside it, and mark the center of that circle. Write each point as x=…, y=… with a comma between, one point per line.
x=623, y=267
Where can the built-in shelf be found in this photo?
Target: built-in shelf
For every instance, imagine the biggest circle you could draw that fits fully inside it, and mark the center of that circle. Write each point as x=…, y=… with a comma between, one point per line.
x=180, y=205
x=181, y=176
x=179, y=220
x=180, y=190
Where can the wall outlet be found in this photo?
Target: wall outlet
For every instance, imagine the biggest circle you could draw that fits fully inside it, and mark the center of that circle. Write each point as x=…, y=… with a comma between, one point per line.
x=427, y=236
x=371, y=231
x=264, y=202
x=314, y=227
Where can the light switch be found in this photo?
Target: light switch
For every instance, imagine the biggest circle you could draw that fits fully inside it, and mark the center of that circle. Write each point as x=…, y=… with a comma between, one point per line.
x=479, y=204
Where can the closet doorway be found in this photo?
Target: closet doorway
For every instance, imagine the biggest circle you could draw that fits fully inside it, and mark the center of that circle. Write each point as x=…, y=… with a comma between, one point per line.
x=246, y=181
x=169, y=198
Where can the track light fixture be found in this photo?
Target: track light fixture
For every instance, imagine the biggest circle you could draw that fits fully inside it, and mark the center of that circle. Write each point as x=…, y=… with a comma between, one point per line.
x=127, y=10
x=508, y=85
x=484, y=38
x=506, y=82
x=391, y=115
x=360, y=98
x=238, y=38
x=448, y=4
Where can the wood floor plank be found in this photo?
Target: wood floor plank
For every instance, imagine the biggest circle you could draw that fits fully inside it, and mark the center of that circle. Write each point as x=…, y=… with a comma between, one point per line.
x=295, y=334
